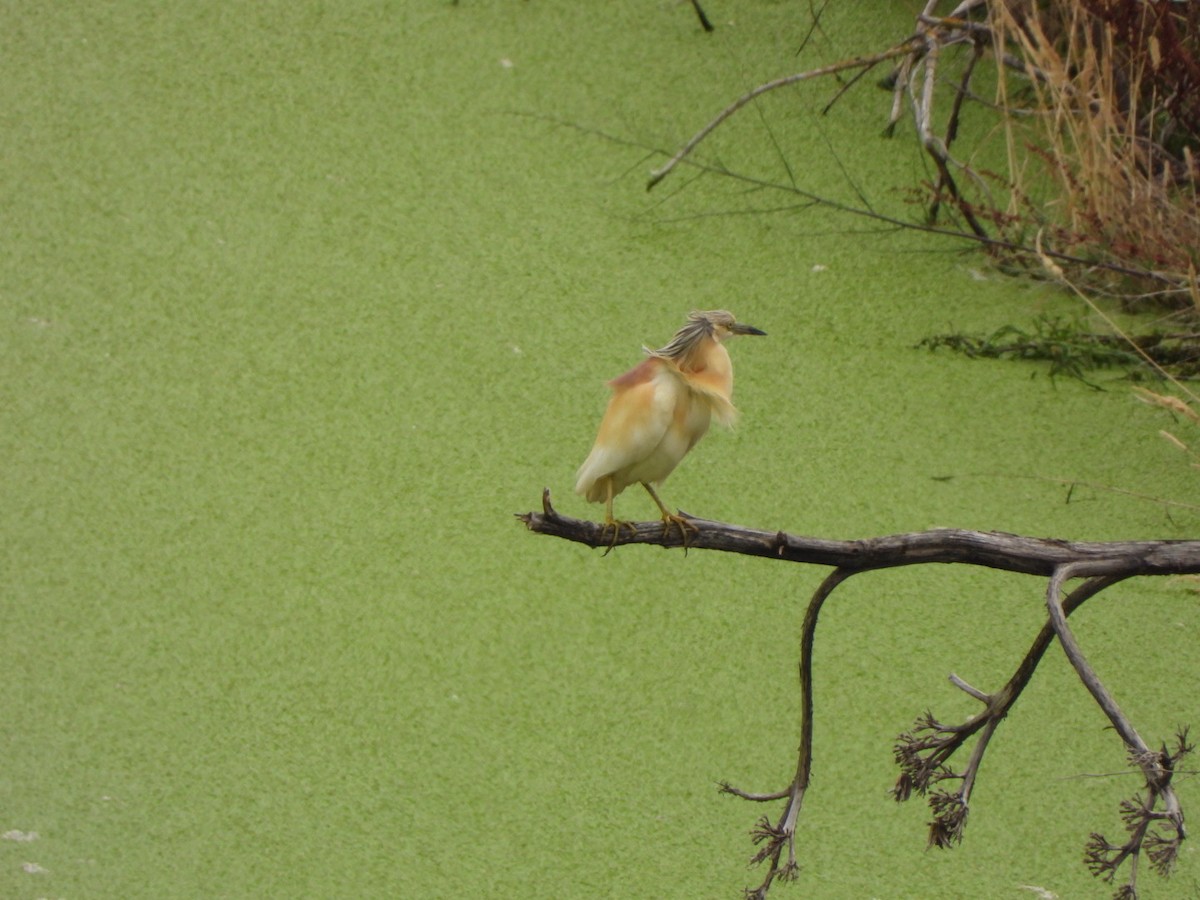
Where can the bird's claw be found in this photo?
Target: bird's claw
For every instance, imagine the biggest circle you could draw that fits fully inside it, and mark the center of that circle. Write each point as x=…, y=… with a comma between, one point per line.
x=616, y=525
x=671, y=520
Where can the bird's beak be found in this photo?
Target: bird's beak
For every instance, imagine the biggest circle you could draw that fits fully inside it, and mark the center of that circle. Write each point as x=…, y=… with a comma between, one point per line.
x=739, y=328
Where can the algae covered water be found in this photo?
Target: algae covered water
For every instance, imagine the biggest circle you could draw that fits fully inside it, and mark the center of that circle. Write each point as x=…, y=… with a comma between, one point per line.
x=301, y=303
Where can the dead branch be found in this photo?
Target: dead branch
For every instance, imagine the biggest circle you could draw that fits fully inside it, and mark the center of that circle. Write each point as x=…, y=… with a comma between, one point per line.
x=993, y=549
x=918, y=53
x=1132, y=192
x=866, y=62
x=1154, y=822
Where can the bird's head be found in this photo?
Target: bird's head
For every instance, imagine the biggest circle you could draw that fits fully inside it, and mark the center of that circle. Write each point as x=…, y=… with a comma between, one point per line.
x=716, y=324
x=721, y=324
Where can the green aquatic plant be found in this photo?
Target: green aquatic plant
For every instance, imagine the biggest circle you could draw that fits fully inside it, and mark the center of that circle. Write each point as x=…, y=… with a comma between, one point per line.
x=1073, y=350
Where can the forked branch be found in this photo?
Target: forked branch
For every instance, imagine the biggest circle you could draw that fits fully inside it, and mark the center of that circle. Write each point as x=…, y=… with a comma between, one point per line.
x=865, y=64
x=915, y=76
x=1154, y=821
x=1117, y=145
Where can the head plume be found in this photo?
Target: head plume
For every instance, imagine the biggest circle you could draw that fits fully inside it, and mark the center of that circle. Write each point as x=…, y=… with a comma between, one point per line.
x=699, y=325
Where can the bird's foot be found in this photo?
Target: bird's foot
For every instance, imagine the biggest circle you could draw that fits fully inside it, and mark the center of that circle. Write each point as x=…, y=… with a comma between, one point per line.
x=616, y=525
x=671, y=520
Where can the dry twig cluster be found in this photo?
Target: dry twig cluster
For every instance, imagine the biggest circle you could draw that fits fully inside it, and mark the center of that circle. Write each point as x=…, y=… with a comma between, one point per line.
x=1153, y=819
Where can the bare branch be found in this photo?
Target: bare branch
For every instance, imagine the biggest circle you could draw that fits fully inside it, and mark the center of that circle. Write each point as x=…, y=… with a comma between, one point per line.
x=993, y=549
x=1154, y=822
x=865, y=62
x=1157, y=833
x=1123, y=177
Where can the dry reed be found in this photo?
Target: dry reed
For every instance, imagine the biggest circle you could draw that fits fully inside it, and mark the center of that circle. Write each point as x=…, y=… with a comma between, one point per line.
x=1102, y=129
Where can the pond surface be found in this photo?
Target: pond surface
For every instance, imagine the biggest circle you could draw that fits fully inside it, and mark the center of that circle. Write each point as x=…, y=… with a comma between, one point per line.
x=301, y=302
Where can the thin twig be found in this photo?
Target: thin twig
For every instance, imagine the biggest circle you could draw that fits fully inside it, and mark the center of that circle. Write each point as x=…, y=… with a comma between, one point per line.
x=659, y=174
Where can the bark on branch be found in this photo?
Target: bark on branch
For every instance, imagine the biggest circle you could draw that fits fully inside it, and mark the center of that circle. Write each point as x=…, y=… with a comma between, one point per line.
x=993, y=549
x=1154, y=821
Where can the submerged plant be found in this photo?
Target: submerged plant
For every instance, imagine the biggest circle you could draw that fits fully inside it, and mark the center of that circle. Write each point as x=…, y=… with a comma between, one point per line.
x=1073, y=350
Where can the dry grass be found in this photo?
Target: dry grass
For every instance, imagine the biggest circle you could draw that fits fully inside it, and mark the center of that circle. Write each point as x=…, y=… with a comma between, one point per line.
x=1108, y=116
x=1098, y=102
x=1102, y=126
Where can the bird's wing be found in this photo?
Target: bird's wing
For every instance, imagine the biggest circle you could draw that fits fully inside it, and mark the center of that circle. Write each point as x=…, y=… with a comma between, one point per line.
x=637, y=418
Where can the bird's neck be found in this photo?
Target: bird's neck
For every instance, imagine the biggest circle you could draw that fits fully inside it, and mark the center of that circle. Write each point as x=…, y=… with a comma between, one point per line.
x=708, y=367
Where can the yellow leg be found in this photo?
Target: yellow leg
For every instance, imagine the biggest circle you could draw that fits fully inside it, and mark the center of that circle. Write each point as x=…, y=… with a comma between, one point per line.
x=615, y=524
x=669, y=518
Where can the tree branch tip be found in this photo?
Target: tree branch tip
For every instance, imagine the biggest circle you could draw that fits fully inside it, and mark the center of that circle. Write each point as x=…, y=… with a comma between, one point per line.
x=724, y=787
x=979, y=695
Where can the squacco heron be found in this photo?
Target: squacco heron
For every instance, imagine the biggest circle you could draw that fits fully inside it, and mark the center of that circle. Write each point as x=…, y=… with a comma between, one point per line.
x=659, y=410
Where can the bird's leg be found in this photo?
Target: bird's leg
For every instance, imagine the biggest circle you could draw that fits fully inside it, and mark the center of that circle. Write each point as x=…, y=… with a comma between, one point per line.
x=609, y=522
x=669, y=518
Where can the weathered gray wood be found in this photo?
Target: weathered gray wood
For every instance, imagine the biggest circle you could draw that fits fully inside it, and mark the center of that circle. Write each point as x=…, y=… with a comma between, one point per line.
x=924, y=752
x=993, y=549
